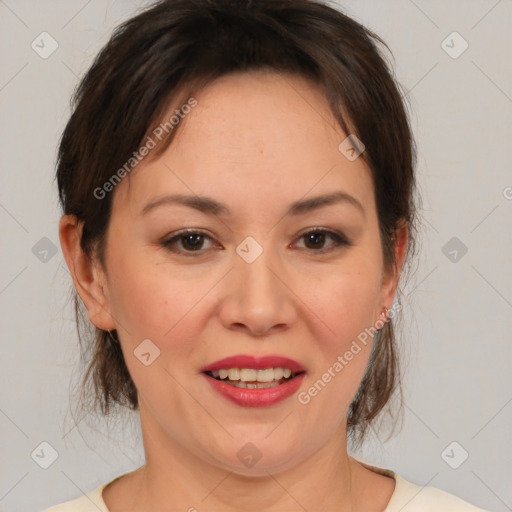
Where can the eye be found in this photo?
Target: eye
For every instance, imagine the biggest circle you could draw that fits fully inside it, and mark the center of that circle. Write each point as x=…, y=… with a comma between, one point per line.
x=190, y=241
x=315, y=240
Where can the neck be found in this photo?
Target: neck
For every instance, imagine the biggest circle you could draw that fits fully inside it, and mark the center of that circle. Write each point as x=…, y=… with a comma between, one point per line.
x=175, y=479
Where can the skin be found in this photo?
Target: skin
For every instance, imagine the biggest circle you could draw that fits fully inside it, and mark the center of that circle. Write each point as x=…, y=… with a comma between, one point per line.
x=257, y=142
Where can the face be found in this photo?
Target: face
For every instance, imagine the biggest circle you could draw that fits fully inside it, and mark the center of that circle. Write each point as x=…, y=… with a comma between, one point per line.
x=266, y=272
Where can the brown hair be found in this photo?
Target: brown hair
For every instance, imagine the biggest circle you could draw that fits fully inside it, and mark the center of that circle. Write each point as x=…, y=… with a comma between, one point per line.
x=175, y=47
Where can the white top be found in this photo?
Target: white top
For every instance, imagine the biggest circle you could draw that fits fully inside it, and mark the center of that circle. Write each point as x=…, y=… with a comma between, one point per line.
x=407, y=497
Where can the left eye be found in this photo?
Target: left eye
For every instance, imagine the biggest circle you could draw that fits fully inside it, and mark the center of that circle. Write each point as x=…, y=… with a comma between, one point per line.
x=192, y=241
x=317, y=237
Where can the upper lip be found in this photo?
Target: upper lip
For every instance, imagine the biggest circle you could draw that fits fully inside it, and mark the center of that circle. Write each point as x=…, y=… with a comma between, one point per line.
x=258, y=363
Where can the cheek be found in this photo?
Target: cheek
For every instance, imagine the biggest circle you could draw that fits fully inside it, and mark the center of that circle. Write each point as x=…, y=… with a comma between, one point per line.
x=345, y=302
x=150, y=303
x=149, y=299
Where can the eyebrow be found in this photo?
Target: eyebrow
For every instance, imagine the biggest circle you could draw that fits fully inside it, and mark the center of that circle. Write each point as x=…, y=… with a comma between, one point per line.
x=209, y=205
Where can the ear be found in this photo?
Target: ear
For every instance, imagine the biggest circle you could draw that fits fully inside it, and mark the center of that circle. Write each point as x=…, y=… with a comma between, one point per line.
x=87, y=273
x=391, y=276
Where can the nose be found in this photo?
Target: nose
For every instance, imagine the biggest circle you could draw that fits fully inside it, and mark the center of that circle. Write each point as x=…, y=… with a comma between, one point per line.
x=258, y=298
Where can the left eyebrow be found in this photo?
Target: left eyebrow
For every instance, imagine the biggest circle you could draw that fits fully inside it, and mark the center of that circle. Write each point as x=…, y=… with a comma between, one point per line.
x=313, y=203
x=209, y=205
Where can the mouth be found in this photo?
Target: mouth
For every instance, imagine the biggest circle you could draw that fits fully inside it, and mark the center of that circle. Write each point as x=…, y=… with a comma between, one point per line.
x=252, y=378
x=255, y=382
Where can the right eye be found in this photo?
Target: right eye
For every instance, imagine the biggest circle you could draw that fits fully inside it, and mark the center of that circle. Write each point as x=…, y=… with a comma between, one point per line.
x=190, y=241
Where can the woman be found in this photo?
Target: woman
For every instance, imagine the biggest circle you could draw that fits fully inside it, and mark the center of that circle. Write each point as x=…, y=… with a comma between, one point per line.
x=237, y=180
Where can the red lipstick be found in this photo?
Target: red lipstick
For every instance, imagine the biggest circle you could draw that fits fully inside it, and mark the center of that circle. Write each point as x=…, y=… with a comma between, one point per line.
x=258, y=363
x=255, y=397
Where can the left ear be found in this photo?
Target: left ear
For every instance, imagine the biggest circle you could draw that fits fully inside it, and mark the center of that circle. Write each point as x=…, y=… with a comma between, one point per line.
x=391, y=276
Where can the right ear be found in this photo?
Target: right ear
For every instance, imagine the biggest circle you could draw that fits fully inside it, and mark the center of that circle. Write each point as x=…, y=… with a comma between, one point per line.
x=87, y=273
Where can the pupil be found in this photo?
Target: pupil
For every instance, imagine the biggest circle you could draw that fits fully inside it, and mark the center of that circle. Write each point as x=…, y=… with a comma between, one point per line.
x=316, y=238
x=193, y=245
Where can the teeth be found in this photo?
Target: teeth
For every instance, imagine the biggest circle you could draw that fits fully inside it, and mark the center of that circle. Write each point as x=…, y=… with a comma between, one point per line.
x=253, y=376
x=252, y=385
x=234, y=374
x=248, y=375
x=278, y=373
x=265, y=375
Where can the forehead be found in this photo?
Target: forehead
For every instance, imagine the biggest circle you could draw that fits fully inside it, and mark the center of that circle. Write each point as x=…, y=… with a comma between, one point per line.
x=253, y=134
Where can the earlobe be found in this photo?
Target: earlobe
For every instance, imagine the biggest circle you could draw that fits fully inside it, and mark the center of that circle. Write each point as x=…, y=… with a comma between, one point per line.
x=88, y=276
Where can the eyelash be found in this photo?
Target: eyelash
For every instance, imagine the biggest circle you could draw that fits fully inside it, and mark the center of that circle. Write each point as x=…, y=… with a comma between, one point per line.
x=339, y=241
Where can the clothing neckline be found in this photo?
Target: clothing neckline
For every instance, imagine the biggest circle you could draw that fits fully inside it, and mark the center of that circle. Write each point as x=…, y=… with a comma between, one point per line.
x=96, y=495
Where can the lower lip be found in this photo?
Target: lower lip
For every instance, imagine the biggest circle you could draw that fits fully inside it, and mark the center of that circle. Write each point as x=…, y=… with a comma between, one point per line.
x=256, y=397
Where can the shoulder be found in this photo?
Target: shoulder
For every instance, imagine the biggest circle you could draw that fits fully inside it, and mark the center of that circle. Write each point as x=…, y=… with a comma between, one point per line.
x=90, y=502
x=409, y=497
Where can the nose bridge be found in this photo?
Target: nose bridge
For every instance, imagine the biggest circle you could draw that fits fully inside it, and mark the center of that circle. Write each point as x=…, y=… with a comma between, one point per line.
x=259, y=277
x=258, y=266
x=258, y=298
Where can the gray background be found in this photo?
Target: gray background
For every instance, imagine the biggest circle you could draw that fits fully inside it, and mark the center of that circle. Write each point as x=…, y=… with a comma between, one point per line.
x=456, y=341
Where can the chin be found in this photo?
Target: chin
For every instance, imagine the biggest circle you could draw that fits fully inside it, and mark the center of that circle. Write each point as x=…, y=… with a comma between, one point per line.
x=259, y=457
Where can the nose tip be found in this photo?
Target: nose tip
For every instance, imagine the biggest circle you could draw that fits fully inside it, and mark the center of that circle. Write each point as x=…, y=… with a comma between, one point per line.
x=257, y=302
x=258, y=330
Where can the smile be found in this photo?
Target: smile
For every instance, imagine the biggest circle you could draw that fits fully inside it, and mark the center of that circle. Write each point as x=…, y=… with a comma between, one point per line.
x=252, y=378
x=251, y=381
